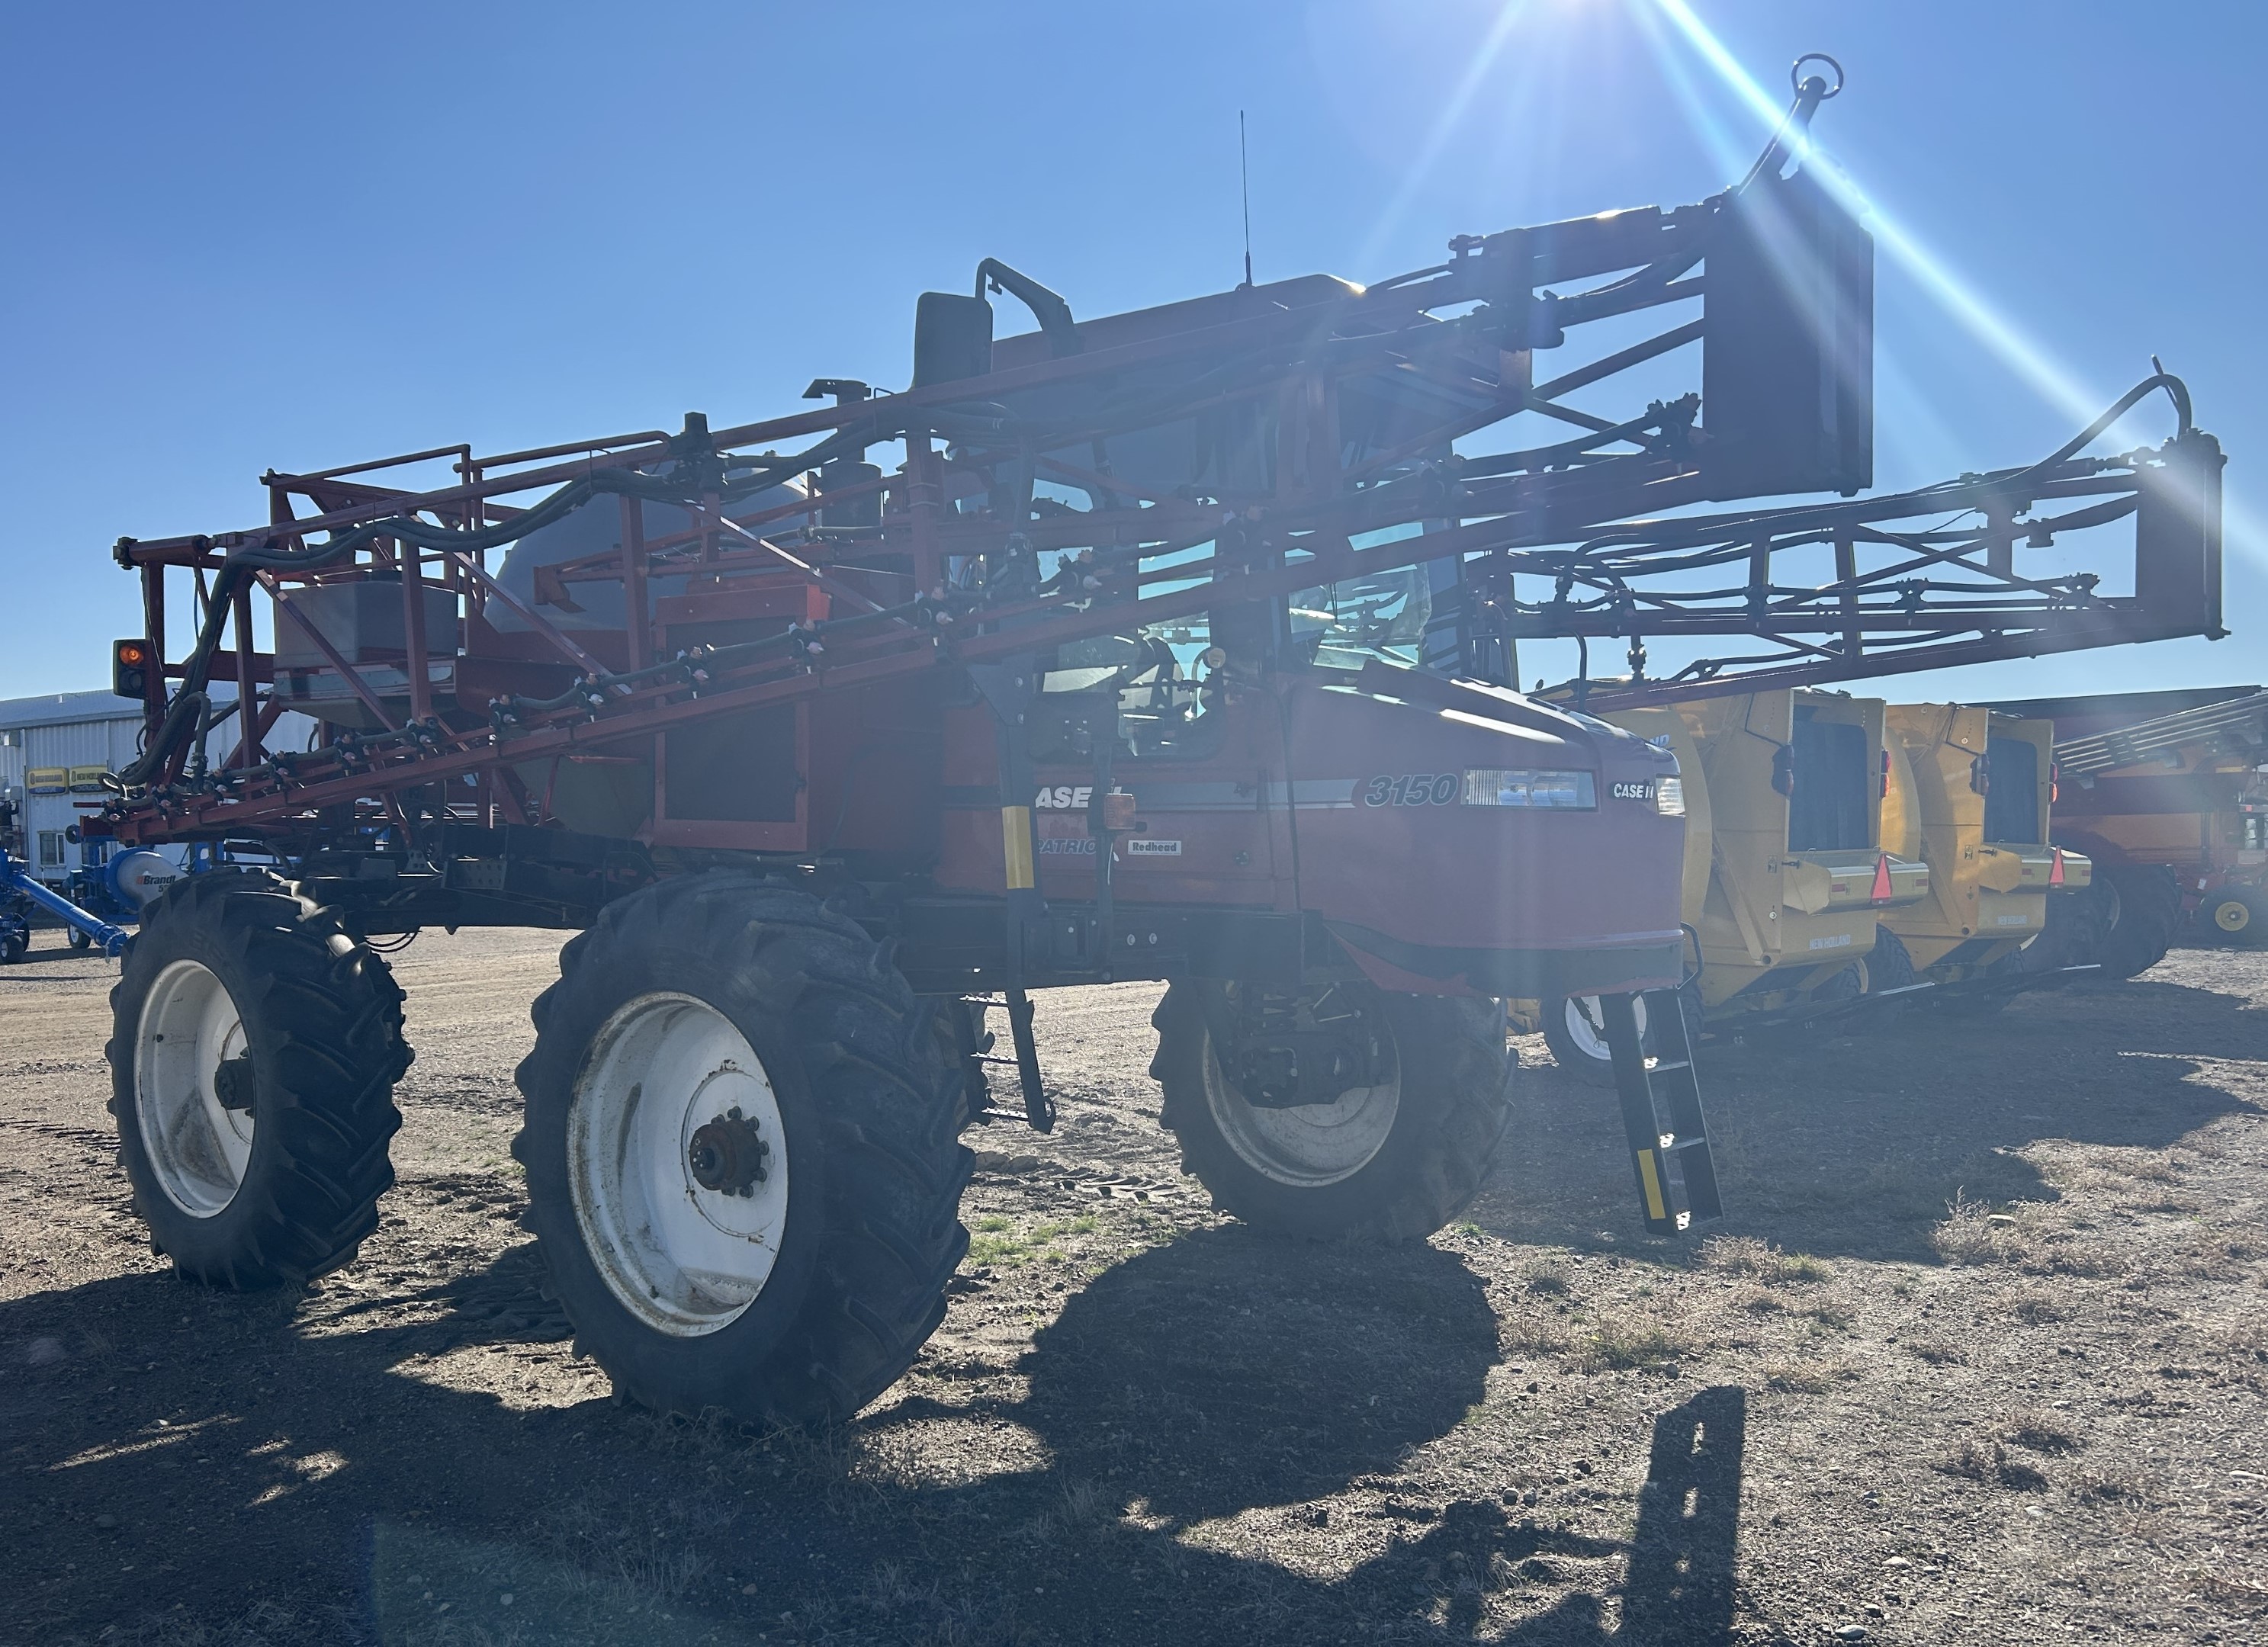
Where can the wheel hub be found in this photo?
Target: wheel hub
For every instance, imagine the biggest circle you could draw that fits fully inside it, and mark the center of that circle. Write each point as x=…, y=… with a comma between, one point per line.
x=1279, y=1051
x=232, y=1082
x=1304, y=1088
x=727, y=1154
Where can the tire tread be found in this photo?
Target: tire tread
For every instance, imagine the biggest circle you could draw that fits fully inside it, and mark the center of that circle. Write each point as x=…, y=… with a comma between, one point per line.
x=336, y=1051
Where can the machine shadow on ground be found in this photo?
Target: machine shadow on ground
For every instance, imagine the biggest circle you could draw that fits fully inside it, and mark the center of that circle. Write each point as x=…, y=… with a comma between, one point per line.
x=1220, y=1436
x=294, y=1486
x=1854, y=1145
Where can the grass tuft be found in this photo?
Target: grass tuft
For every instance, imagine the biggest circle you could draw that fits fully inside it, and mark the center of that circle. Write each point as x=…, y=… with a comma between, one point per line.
x=997, y=1240
x=1619, y=1349
x=2106, y=1487
x=2036, y=1308
x=1549, y=1278
x=2040, y=1432
x=1989, y=1461
x=1746, y=1256
x=1969, y=1234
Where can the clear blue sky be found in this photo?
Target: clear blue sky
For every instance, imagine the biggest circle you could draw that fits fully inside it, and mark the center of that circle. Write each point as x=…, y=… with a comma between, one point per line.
x=296, y=235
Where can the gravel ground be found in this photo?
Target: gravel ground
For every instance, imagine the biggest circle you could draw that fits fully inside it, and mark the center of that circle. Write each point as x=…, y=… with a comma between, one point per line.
x=1978, y=1356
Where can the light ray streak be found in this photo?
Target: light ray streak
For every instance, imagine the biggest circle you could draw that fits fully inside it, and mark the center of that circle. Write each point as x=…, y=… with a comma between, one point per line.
x=2045, y=375
x=1445, y=127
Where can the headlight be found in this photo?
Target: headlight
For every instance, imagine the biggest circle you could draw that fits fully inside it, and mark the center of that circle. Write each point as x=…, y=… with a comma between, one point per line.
x=1669, y=797
x=1566, y=792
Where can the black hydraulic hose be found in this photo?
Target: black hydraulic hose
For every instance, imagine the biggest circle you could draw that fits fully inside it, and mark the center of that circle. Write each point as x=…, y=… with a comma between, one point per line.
x=183, y=715
x=2176, y=391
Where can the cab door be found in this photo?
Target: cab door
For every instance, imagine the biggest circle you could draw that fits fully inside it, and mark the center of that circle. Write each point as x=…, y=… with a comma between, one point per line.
x=1202, y=759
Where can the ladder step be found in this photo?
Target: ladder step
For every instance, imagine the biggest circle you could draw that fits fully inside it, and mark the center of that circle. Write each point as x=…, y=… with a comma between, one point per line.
x=1661, y=1116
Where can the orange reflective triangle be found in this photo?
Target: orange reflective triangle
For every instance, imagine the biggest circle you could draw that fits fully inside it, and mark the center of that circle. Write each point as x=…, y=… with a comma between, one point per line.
x=1881, y=879
x=2054, y=867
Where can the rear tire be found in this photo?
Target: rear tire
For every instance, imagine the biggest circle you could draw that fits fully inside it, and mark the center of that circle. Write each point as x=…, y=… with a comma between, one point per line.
x=253, y=1053
x=2142, y=910
x=2235, y=915
x=782, y=1260
x=1392, y=1160
x=2072, y=935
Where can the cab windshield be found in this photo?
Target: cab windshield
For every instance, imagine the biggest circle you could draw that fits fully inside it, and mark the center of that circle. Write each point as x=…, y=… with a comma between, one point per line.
x=1160, y=674
x=1383, y=616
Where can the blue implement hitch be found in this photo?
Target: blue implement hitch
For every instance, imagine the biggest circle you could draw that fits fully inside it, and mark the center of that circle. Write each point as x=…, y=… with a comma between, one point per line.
x=16, y=878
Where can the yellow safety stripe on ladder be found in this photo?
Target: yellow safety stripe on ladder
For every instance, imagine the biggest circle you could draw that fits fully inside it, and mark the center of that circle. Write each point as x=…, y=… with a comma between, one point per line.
x=1016, y=844
x=1655, y=1208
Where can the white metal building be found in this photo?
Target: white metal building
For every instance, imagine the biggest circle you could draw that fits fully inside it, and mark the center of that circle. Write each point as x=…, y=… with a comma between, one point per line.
x=54, y=752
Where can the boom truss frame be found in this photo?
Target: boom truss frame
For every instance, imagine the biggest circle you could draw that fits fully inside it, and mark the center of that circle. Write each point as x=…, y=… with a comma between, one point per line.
x=1365, y=400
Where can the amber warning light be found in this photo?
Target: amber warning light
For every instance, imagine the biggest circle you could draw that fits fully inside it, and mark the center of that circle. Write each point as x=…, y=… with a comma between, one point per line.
x=129, y=662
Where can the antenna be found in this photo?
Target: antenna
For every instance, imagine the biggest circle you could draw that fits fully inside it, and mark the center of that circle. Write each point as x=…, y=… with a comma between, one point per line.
x=1244, y=169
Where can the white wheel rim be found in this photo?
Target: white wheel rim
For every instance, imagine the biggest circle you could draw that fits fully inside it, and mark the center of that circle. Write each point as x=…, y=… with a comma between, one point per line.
x=684, y=1257
x=1586, y=1026
x=198, y=1149
x=1307, y=1145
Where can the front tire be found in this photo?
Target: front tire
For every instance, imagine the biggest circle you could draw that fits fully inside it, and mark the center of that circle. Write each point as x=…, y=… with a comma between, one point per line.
x=1885, y=967
x=743, y=1149
x=1575, y=1034
x=254, y=1048
x=1394, y=1156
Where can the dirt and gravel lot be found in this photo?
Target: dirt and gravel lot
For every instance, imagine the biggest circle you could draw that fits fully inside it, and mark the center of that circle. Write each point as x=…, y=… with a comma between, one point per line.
x=1979, y=1356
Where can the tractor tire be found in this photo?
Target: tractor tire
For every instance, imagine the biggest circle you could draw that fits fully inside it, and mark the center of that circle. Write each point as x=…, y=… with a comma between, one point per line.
x=254, y=1049
x=15, y=943
x=77, y=939
x=2071, y=937
x=1885, y=967
x=2142, y=916
x=1394, y=1161
x=961, y=1038
x=2235, y=915
x=1577, y=1040
x=768, y=1234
